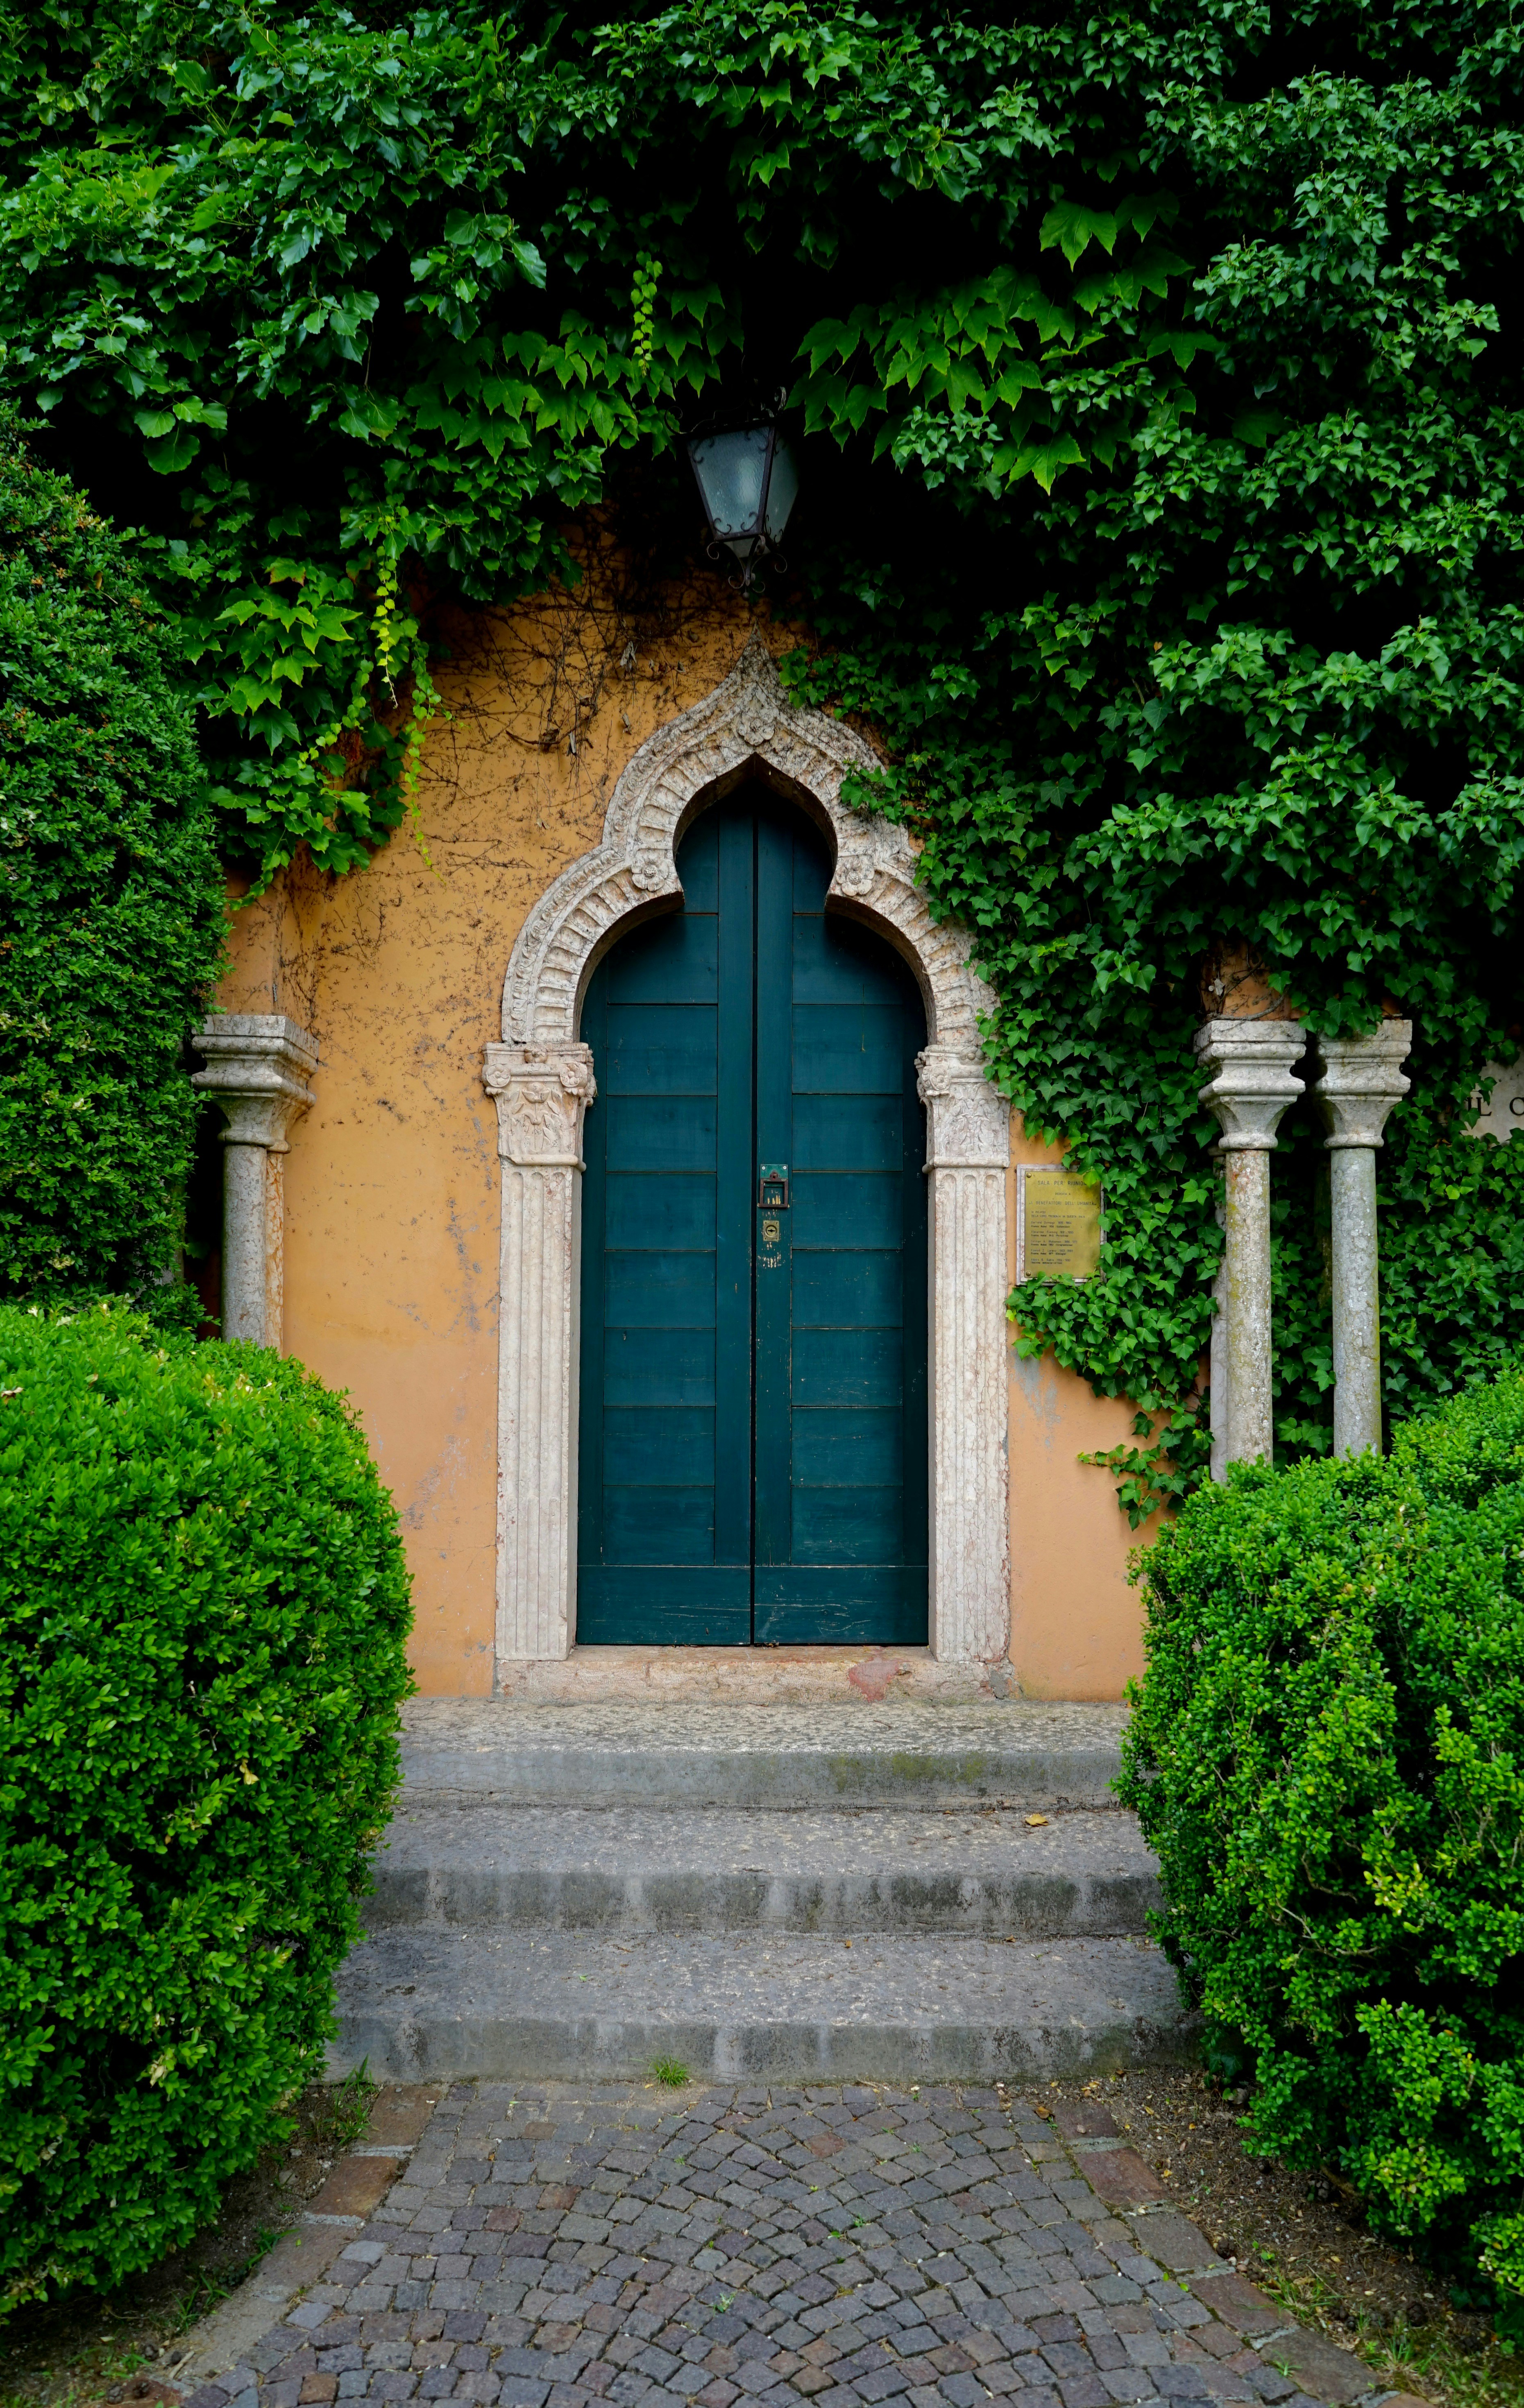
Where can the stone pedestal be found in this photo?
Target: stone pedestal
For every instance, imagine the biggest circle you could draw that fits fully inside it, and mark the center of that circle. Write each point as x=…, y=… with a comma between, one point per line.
x=967, y=1155
x=259, y=1070
x=542, y=1093
x=1251, y=1088
x=1361, y=1079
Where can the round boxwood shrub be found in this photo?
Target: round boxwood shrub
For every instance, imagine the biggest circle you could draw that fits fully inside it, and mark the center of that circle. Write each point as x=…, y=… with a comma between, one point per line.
x=1327, y=1754
x=203, y=1607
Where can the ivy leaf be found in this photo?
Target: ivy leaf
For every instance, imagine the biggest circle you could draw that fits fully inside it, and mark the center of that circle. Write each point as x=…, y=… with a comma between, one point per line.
x=1257, y=427
x=964, y=384
x=366, y=413
x=1144, y=211
x=1045, y=461
x=1183, y=344
x=214, y=210
x=531, y=261
x=1073, y=228
x=174, y=451
x=1019, y=376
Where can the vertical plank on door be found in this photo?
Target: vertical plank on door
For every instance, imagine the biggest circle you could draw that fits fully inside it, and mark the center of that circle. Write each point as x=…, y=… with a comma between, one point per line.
x=651, y=1408
x=856, y=1568
x=738, y=1016
x=773, y=1384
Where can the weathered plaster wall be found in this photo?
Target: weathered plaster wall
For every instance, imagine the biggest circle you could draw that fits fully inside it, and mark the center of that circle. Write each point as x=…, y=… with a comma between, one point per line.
x=1075, y=1620
x=392, y=1187
x=393, y=1184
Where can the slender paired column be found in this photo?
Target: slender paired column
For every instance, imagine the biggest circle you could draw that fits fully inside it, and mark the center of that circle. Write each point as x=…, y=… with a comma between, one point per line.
x=542, y=1093
x=1361, y=1079
x=259, y=1071
x=968, y=1150
x=1251, y=1085
x=1216, y=1375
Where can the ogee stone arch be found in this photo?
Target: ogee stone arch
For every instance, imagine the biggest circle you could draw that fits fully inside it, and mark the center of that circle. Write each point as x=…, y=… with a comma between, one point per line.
x=543, y=1079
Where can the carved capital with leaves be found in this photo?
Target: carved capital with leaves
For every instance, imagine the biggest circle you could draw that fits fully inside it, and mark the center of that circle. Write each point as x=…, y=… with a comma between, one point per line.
x=541, y=1092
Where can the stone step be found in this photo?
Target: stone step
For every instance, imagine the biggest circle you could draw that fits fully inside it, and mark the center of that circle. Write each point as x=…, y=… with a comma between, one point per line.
x=981, y=1872
x=420, y=2005
x=461, y=1751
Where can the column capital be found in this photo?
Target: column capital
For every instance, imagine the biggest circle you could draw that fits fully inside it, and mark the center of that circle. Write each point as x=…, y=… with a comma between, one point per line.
x=1361, y=1079
x=541, y=1092
x=260, y=1068
x=1252, y=1084
x=968, y=1120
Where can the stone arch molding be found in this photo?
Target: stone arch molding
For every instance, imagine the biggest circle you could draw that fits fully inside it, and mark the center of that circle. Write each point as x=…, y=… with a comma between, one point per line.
x=543, y=1079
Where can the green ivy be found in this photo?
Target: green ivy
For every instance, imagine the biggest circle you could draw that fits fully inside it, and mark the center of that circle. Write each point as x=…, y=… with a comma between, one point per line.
x=1157, y=378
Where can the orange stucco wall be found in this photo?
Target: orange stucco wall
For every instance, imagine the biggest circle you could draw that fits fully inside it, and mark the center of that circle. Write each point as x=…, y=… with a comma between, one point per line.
x=392, y=1181
x=393, y=1184
x=1075, y=1619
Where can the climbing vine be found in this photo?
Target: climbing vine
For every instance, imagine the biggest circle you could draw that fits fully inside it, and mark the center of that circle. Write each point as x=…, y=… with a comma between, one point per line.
x=1155, y=372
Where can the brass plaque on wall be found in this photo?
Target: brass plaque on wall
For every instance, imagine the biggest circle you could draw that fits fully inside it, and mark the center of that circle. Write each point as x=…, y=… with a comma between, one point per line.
x=1058, y=1224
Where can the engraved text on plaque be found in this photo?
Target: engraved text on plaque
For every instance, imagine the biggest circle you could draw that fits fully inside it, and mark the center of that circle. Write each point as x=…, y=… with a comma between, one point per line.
x=1058, y=1224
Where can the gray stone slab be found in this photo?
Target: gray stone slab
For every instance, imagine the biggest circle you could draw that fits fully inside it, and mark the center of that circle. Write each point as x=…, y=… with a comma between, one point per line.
x=676, y=1752
x=986, y=1874
x=424, y=2003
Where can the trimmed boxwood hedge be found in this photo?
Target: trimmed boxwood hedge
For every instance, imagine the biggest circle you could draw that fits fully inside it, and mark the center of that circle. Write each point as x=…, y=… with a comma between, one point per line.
x=203, y=1607
x=111, y=909
x=1327, y=1754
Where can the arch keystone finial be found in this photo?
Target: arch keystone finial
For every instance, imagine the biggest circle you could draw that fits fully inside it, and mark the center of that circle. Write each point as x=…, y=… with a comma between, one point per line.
x=748, y=717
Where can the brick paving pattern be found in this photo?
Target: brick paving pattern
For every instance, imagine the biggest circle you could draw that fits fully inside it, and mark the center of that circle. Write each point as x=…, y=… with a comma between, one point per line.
x=559, y=2247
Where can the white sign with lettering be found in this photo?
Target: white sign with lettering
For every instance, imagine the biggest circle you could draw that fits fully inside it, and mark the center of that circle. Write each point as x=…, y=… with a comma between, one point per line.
x=1505, y=1112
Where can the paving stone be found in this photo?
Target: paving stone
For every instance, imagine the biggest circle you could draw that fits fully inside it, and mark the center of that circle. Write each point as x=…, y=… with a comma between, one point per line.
x=944, y=2291
x=1121, y=2177
x=1240, y=2306
x=1324, y=2372
x=1171, y=2241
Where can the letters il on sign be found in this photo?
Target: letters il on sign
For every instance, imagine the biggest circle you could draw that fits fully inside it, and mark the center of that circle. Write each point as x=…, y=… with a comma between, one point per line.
x=1058, y=1223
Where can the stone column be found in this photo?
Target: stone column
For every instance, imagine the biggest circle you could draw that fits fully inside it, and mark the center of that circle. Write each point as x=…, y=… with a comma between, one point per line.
x=1251, y=1088
x=1216, y=1375
x=542, y=1092
x=968, y=1149
x=257, y=1073
x=1361, y=1078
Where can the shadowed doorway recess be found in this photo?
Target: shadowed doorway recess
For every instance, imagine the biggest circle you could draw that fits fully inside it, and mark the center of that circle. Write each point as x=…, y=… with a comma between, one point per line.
x=753, y=1415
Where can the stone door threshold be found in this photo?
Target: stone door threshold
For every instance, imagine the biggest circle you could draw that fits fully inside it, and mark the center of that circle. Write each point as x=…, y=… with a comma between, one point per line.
x=763, y=1676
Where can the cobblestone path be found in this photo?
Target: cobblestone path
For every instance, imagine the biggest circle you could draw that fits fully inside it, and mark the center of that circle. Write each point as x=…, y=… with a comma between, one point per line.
x=550, y=2246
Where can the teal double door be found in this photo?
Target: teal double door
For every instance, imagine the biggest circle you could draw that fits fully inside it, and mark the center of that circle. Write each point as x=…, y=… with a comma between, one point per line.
x=753, y=1430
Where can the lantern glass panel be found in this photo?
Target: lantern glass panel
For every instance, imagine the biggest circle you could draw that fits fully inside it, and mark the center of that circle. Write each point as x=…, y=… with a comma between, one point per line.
x=782, y=487
x=731, y=470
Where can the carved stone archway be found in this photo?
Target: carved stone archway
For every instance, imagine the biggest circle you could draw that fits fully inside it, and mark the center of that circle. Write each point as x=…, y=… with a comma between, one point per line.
x=543, y=1079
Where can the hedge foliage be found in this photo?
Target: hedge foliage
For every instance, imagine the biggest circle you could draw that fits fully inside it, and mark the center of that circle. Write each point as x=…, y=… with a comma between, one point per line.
x=203, y=1611
x=110, y=901
x=1154, y=371
x=1327, y=1753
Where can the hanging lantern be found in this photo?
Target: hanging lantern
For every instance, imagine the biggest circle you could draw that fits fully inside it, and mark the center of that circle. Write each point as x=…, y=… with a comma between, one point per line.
x=746, y=482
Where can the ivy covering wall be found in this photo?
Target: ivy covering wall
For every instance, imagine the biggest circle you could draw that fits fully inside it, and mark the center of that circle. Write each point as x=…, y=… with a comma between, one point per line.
x=1157, y=371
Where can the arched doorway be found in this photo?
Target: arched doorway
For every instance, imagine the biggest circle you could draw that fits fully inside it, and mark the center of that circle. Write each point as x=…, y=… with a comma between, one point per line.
x=541, y=1077
x=753, y=1442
